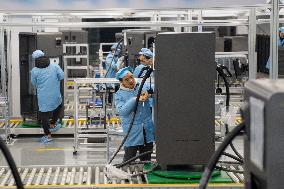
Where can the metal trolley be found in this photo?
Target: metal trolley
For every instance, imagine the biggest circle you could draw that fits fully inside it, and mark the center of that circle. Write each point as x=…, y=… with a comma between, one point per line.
x=94, y=131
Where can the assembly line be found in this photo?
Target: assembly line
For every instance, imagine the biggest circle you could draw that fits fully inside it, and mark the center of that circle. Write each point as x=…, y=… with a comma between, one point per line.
x=141, y=94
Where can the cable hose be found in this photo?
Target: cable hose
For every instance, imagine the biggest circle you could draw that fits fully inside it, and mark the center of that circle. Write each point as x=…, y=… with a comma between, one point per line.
x=233, y=157
x=229, y=170
x=145, y=172
x=227, y=109
x=11, y=164
x=232, y=145
x=134, y=114
x=132, y=159
x=230, y=162
x=141, y=162
x=214, y=159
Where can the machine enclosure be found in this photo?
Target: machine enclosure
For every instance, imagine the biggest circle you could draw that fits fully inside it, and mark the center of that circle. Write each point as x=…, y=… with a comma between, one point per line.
x=137, y=39
x=184, y=85
x=264, y=141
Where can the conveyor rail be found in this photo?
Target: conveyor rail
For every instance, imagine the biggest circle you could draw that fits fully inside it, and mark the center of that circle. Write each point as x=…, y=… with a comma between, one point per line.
x=86, y=177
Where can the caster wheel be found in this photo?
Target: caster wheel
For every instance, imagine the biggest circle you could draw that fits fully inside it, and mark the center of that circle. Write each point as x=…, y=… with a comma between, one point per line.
x=75, y=153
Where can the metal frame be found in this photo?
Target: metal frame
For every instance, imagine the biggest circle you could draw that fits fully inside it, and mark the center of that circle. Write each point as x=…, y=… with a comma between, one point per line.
x=274, y=39
x=78, y=133
x=4, y=105
x=251, y=44
x=3, y=63
x=152, y=14
x=184, y=17
x=66, y=67
x=102, y=57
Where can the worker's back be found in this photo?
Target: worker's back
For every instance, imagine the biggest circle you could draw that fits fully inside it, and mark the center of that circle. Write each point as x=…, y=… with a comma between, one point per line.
x=47, y=81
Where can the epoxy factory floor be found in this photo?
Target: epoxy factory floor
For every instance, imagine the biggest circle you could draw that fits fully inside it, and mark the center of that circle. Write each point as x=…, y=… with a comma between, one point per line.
x=28, y=151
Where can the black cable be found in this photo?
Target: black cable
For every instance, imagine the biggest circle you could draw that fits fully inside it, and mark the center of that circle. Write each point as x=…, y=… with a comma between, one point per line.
x=230, y=162
x=118, y=43
x=227, y=90
x=214, y=159
x=132, y=159
x=141, y=162
x=228, y=170
x=145, y=172
x=11, y=164
x=220, y=71
x=149, y=71
x=232, y=145
x=142, y=70
x=233, y=157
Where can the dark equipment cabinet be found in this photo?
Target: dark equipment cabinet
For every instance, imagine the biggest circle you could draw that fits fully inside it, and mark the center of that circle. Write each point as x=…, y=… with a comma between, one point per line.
x=27, y=44
x=184, y=111
x=263, y=139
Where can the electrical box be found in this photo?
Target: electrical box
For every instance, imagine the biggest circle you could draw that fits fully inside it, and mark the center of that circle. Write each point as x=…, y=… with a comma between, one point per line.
x=264, y=141
x=135, y=40
x=185, y=71
x=50, y=43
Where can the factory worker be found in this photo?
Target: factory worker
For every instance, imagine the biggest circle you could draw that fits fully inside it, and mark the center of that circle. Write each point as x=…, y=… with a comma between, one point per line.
x=145, y=59
x=112, y=61
x=46, y=77
x=141, y=136
x=280, y=44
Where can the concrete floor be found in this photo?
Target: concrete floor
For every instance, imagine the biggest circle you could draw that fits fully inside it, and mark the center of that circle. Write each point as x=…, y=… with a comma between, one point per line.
x=28, y=151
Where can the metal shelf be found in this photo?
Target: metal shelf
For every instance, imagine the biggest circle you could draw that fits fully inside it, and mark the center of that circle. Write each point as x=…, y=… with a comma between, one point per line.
x=75, y=56
x=75, y=45
x=77, y=67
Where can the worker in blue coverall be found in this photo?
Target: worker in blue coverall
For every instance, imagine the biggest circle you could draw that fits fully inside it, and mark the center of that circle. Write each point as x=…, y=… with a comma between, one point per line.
x=112, y=66
x=145, y=59
x=46, y=77
x=112, y=61
x=280, y=44
x=141, y=136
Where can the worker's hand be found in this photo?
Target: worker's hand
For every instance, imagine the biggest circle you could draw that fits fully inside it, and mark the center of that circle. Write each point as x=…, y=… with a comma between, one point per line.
x=121, y=58
x=120, y=63
x=144, y=96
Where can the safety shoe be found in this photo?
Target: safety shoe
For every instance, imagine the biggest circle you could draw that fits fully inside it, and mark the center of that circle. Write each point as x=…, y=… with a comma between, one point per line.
x=45, y=140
